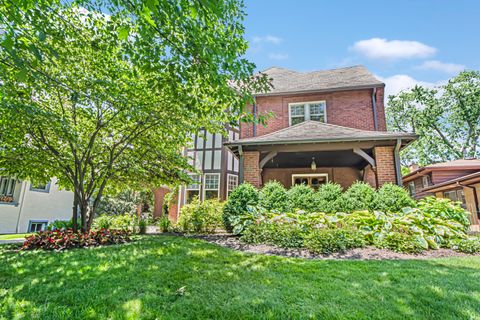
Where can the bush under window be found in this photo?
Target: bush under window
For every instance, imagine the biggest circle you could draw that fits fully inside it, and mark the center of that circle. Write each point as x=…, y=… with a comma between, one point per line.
x=237, y=204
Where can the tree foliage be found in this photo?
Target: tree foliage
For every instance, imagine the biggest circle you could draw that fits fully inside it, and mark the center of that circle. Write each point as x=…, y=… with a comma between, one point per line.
x=446, y=119
x=106, y=101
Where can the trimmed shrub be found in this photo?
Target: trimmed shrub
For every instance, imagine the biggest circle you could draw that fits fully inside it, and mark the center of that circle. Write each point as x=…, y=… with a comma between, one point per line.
x=201, y=217
x=282, y=235
x=239, y=199
x=123, y=222
x=470, y=245
x=393, y=198
x=164, y=224
x=333, y=240
x=360, y=196
x=328, y=198
x=301, y=197
x=401, y=242
x=61, y=240
x=445, y=209
x=273, y=196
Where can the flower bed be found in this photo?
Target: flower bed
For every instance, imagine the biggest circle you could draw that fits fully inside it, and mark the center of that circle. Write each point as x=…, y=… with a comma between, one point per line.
x=67, y=239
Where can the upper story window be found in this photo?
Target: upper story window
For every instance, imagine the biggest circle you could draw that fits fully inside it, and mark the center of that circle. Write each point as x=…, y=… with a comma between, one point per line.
x=7, y=189
x=426, y=181
x=40, y=187
x=300, y=112
x=411, y=189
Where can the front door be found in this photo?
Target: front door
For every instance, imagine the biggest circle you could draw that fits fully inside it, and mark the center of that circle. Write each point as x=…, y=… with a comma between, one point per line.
x=313, y=180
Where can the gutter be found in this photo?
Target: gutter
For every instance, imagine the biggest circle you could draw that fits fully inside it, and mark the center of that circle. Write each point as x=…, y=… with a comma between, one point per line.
x=374, y=107
x=396, y=154
x=240, y=164
x=254, y=116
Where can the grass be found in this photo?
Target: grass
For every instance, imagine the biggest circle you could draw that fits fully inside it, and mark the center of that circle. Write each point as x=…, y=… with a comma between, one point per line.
x=13, y=236
x=162, y=277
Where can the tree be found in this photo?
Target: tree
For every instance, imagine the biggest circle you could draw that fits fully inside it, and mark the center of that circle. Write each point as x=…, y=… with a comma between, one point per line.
x=105, y=102
x=446, y=119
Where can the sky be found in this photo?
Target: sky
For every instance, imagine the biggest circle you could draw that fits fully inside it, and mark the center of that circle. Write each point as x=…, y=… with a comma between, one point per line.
x=403, y=43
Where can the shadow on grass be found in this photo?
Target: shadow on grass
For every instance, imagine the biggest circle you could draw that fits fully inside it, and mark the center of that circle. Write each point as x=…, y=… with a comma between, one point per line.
x=175, y=278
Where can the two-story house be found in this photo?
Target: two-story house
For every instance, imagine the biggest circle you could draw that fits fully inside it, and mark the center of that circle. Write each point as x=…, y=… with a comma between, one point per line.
x=326, y=126
x=25, y=207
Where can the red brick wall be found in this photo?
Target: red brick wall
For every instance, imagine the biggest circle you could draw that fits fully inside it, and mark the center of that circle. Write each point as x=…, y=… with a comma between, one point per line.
x=370, y=176
x=343, y=176
x=251, y=169
x=158, y=197
x=385, y=161
x=352, y=108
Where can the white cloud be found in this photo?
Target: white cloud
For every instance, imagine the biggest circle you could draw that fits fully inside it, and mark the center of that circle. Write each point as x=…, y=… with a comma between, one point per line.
x=449, y=68
x=401, y=82
x=278, y=56
x=378, y=48
x=268, y=39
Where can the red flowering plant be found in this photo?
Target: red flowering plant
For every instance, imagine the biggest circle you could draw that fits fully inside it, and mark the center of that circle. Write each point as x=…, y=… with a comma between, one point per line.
x=66, y=239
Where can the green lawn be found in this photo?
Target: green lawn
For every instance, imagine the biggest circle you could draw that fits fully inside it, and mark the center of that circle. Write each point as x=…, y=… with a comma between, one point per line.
x=160, y=277
x=13, y=236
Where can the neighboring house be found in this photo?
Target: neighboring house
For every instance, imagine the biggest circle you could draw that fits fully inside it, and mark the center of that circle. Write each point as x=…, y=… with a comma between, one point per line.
x=326, y=126
x=27, y=208
x=458, y=180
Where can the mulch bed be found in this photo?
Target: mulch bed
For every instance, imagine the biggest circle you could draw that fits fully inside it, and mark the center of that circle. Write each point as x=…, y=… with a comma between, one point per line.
x=369, y=253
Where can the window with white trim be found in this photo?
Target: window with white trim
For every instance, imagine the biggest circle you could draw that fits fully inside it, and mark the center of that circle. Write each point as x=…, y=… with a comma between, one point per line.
x=300, y=112
x=193, y=189
x=7, y=186
x=211, y=185
x=426, y=181
x=411, y=188
x=36, y=226
x=232, y=183
x=41, y=187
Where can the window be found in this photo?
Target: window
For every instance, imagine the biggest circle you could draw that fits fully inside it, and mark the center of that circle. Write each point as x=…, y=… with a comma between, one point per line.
x=193, y=189
x=232, y=183
x=411, y=188
x=426, y=181
x=40, y=187
x=313, y=180
x=300, y=112
x=456, y=195
x=7, y=186
x=211, y=185
x=36, y=226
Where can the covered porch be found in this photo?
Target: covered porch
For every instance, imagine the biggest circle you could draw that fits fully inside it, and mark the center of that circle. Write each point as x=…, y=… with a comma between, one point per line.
x=314, y=153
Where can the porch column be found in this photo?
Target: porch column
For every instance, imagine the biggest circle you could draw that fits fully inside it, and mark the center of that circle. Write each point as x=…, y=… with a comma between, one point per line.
x=385, y=161
x=251, y=168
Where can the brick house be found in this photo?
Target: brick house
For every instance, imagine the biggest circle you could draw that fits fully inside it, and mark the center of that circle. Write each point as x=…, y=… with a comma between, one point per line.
x=458, y=180
x=326, y=126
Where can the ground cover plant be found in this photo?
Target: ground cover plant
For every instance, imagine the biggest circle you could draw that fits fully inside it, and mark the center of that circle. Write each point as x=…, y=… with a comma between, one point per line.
x=168, y=277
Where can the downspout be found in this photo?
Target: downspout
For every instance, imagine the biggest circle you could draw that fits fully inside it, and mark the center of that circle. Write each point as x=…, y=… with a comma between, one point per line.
x=475, y=196
x=398, y=172
x=21, y=205
x=240, y=165
x=254, y=116
x=374, y=107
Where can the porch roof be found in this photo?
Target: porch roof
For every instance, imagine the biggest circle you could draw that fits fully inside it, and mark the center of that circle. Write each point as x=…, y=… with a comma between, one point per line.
x=316, y=132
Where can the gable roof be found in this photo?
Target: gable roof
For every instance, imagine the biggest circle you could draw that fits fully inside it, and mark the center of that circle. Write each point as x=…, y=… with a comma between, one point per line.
x=460, y=164
x=290, y=81
x=317, y=132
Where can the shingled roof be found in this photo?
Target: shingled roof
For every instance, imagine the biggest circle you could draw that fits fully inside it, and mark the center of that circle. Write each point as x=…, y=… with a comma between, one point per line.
x=318, y=132
x=289, y=81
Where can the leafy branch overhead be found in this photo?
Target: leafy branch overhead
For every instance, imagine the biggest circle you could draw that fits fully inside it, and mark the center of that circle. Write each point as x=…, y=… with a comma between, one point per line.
x=446, y=119
x=105, y=101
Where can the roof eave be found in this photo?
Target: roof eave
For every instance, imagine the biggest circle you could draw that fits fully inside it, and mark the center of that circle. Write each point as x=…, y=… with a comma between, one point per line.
x=348, y=88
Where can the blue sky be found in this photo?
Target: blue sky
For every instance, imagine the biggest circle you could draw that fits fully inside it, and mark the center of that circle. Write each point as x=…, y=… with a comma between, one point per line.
x=401, y=42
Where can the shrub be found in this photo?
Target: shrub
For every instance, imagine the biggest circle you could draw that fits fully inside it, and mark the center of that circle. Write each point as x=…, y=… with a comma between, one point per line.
x=164, y=224
x=391, y=197
x=401, y=242
x=301, y=197
x=273, y=196
x=142, y=226
x=102, y=222
x=469, y=245
x=60, y=225
x=360, y=196
x=282, y=235
x=333, y=240
x=238, y=200
x=123, y=222
x=445, y=209
x=201, y=217
x=61, y=240
x=328, y=197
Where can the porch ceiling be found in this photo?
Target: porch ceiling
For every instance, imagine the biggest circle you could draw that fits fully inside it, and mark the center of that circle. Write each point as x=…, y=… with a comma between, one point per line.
x=340, y=158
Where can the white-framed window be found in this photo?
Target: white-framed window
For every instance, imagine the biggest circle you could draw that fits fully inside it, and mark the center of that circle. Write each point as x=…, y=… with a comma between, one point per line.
x=40, y=187
x=456, y=195
x=211, y=185
x=426, y=181
x=300, y=112
x=7, y=186
x=411, y=188
x=313, y=180
x=232, y=183
x=36, y=226
x=193, y=189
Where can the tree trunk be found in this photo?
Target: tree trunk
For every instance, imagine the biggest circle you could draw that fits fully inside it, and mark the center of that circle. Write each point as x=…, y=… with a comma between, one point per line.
x=75, y=212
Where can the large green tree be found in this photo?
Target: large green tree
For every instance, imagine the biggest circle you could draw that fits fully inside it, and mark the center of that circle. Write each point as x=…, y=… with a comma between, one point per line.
x=103, y=95
x=447, y=119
